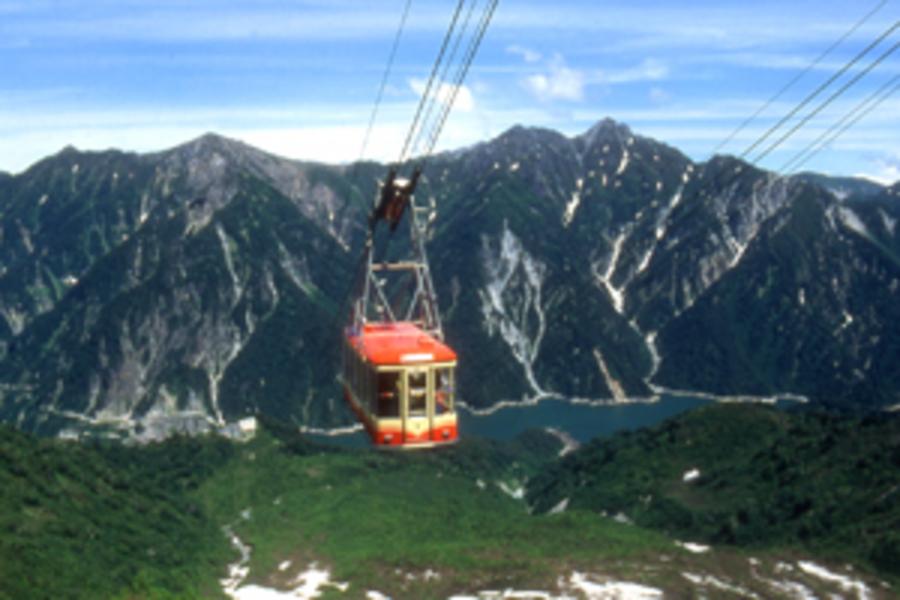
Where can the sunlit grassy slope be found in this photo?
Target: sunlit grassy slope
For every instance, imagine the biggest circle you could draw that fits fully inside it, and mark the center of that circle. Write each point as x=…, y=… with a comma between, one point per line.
x=98, y=520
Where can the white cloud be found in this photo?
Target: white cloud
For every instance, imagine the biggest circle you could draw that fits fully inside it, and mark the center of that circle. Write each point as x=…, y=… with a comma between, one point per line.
x=464, y=101
x=559, y=82
x=527, y=54
x=650, y=69
x=886, y=170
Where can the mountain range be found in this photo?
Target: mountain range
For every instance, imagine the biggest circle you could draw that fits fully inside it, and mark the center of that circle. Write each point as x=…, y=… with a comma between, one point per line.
x=188, y=288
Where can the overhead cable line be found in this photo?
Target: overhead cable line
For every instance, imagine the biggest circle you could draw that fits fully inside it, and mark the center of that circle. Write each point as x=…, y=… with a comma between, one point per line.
x=384, y=78
x=828, y=101
x=848, y=121
x=434, y=98
x=461, y=74
x=798, y=77
x=818, y=91
x=431, y=79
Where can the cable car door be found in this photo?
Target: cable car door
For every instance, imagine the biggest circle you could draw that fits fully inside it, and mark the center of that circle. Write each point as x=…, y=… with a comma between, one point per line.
x=418, y=414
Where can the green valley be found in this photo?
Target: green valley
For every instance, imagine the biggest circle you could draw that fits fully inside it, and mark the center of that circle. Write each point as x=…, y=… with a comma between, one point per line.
x=103, y=520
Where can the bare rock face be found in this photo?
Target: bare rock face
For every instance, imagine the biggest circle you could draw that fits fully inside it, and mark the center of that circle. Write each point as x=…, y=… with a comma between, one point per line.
x=190, y=288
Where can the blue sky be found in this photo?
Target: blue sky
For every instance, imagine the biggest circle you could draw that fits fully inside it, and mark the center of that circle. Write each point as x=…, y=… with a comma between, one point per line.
x=299, y=77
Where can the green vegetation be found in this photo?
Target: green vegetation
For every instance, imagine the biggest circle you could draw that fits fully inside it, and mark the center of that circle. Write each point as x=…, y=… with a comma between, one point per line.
x=768, y=477
x=107, y=521
x=103, y=520
x=368, y=514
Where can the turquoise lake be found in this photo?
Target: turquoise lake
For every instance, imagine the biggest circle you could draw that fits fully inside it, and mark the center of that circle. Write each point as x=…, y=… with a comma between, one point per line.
x=581, y=421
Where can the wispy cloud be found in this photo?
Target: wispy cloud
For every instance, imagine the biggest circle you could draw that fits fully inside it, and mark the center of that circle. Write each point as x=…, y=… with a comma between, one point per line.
x=464, y=100
x=558, y=82
x=527, y=54
x=650, y=69
x=886, y=169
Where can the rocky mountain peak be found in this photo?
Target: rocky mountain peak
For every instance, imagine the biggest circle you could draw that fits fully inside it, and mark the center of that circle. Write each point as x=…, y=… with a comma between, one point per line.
x=519, y=137
x=605, y=131
x=210, y=145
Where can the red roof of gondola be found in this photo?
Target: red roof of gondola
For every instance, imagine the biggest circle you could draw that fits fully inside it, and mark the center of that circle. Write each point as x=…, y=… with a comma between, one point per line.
x=399, y=344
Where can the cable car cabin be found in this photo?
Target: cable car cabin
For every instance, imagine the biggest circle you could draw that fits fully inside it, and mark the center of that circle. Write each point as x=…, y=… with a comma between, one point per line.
x=400, y=383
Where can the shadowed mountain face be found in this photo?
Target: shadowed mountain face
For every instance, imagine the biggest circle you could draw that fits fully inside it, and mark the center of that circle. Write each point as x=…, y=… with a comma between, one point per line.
x=201, y=284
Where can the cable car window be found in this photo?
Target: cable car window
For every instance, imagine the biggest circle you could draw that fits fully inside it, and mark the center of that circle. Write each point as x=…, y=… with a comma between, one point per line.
x=443, y=391
x=388, y=394
x=418, y=393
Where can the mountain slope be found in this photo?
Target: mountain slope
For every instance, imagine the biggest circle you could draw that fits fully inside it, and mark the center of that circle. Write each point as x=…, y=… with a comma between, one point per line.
x=749, y=476
x=202, y=517
x=187, y=288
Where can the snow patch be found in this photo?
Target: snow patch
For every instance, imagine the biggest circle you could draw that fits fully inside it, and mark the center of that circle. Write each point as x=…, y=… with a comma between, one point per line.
x=309, y=585
x=331, y=432
x=715, y=582
x=847, y=584
x=560, y=507
x=516, y=493
x=224, y=242
x=852, y=221
x=622, y=518
x=656, y=359
x=692, y=547
x=889, y=223
x=569, y=443
x=623, y=163
x=572, y=206
x=791, y=589
x=237, y=571
x=691, y=475
x=511, y=301
x=284, y=565
x=848, y=320
x=660, y=231
x=616, y=294
x=509, y=594
x=615, y=387
x=612, y=590
x=514, y=167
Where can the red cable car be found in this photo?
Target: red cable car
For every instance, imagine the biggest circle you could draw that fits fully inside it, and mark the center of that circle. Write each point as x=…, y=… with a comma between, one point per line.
x=398, y=374
x=401, y=385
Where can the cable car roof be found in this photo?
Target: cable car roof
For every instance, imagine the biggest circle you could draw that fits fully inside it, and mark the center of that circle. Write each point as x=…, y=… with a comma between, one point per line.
x=399, y=343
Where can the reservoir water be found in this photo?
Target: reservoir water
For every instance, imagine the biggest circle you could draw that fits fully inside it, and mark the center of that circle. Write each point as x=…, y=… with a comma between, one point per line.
x=581, y=421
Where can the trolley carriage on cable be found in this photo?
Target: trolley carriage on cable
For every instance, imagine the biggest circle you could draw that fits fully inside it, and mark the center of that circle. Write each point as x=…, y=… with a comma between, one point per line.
x=398, y=374
x=400, y=383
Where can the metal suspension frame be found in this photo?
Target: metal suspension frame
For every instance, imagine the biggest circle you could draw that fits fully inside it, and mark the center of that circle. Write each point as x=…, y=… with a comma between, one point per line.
x=372, y=304
x=420, y=307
